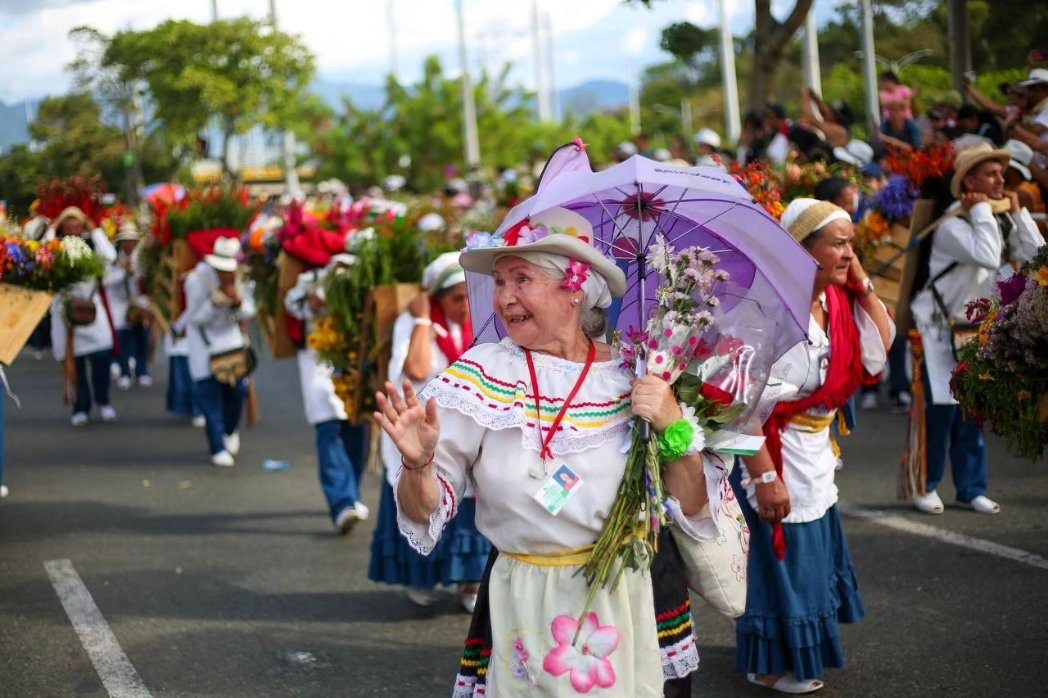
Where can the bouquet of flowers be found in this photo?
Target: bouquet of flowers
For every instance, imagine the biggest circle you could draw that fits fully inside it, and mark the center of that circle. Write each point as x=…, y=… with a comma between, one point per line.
x=917, y=166
x=764, y=184
x=682, y=346
x=893, y=204
x=1002, y=375
x=48, y=266
x=390, y=251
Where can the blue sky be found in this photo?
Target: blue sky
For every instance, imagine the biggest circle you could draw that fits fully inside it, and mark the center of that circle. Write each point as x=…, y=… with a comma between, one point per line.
x=592, y=39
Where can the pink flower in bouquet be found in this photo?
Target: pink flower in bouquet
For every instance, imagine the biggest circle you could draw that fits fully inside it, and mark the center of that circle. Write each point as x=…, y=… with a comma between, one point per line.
x=587, y=661
x=575, y=276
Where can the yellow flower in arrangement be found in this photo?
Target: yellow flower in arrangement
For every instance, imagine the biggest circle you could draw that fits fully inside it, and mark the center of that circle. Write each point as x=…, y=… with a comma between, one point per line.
x=325, y=337
x=874, y=228
x=984, y=328
x=1042, y=276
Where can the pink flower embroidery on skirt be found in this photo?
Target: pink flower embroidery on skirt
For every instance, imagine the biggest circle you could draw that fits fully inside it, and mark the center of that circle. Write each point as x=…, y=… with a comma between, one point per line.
x=587, y=661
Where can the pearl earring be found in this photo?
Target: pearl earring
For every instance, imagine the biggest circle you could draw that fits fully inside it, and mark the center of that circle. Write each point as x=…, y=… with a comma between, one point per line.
x=575, y=301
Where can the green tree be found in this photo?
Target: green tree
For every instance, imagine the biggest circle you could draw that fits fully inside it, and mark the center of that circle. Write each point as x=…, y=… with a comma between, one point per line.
x=75, y=139
x=236, y=73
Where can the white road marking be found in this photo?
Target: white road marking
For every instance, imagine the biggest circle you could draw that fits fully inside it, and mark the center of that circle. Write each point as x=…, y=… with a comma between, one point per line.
x=118, y=675
x=900, y=523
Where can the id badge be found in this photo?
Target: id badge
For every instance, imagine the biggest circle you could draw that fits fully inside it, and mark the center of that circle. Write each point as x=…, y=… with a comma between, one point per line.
x=558, y=488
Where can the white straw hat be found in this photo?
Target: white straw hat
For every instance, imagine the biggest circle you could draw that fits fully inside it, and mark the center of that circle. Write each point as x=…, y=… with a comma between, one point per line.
x=561, y=232
x=224, y=255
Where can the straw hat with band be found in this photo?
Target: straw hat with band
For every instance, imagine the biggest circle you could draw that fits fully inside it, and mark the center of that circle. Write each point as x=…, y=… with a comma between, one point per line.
x=551, y=240
x=967, y=160
x=443, y=273
x=75, y=213
x=806, y=216
x=127, y=232
x=224, y=255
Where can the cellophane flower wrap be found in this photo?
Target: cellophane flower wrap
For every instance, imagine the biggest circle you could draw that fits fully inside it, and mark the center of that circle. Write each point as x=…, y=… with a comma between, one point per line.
x=678, y=346
x=1002, y=376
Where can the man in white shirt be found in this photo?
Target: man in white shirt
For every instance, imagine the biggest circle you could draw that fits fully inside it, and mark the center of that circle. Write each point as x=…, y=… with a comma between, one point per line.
x=969, y=253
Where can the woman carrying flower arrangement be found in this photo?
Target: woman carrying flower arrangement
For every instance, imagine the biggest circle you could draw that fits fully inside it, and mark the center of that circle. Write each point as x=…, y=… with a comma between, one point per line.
x=429, y=336
x=801, y=580
x=546, y=479
x=85, y=339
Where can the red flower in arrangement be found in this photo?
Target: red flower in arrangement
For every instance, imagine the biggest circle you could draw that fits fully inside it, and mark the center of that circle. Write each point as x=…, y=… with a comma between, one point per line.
x=961, y=368
x=920, y=165
x=717, y=396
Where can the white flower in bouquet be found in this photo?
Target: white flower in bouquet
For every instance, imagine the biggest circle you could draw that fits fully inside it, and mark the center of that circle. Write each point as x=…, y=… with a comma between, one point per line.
x=74, y=249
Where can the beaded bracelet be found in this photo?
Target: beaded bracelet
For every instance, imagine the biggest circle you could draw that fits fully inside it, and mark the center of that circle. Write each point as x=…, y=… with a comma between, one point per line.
x=407, y=467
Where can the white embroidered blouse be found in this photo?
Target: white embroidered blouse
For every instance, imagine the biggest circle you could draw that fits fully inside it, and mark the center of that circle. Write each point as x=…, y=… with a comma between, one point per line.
x=808, y=460
x=489, y=437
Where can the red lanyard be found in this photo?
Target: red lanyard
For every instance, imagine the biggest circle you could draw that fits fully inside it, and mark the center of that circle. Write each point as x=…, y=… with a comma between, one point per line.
x=546, y=453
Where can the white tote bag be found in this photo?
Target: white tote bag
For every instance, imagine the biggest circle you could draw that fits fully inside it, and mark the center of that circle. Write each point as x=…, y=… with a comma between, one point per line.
x=716, y=570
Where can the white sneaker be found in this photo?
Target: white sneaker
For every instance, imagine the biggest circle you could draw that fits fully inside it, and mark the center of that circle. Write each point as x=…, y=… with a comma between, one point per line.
x=199, y=421
x=232, y=442
x=421, y=597
x=123, y=383
x=223, y=459
x=78, y=419
x=114, y=370
x=929, y=503
x=466, y=599
x=869, y=401
x=983, y=505
x=4, y=491
x=349, y=516
x=145, y=381
x=107, y=413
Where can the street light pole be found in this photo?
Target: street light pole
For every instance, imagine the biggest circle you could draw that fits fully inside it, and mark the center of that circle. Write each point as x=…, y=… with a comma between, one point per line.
x=541, y=92
x=469, y=107
x=392, y=25
x=732, y=120
x=960, y=44
x=291, y=182
x=812, y=71
x=869, y=69
x=554, y=98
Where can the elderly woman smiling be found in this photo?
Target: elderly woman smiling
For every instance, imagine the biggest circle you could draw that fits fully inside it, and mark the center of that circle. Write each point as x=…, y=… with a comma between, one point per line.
x=538, y=424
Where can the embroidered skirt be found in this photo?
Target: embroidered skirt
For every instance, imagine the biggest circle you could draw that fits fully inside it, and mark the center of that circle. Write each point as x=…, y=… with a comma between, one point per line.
x=635, y=641
x=460, y=555
x=794, y=606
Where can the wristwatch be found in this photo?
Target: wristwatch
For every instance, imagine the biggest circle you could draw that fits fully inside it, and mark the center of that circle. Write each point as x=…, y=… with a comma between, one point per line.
x=766, y=478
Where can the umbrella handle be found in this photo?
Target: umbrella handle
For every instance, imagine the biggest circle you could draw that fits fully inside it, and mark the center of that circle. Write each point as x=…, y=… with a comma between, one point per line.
x=645, y=431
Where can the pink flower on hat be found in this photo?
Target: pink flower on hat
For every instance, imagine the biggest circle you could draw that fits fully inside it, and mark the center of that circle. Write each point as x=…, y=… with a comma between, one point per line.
x=575, y=276
x=587, y=660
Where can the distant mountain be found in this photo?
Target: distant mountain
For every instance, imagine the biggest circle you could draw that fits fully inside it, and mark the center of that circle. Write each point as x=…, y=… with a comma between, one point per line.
x=590, y=96
x=595, y=96
x=14, y=122
x=363, y=96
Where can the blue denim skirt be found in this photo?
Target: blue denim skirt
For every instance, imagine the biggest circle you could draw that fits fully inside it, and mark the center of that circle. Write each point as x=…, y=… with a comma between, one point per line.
x=794, y=606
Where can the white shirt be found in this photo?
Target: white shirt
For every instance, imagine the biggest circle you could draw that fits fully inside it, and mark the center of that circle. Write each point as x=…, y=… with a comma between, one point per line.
x=977, y=248
x=403, y=328
x=87, y=339
x=808, y=461
x=319, y=399
x=220, y=323
x=489, y=437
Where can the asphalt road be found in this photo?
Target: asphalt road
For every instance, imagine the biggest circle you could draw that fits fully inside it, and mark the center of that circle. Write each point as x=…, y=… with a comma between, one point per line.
x=232, y=582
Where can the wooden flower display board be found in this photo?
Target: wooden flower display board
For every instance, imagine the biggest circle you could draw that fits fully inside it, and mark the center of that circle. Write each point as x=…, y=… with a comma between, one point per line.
x=21, y=310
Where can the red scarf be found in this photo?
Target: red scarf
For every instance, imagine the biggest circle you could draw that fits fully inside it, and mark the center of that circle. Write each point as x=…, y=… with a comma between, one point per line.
x=445, y=340
x=843, y=378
